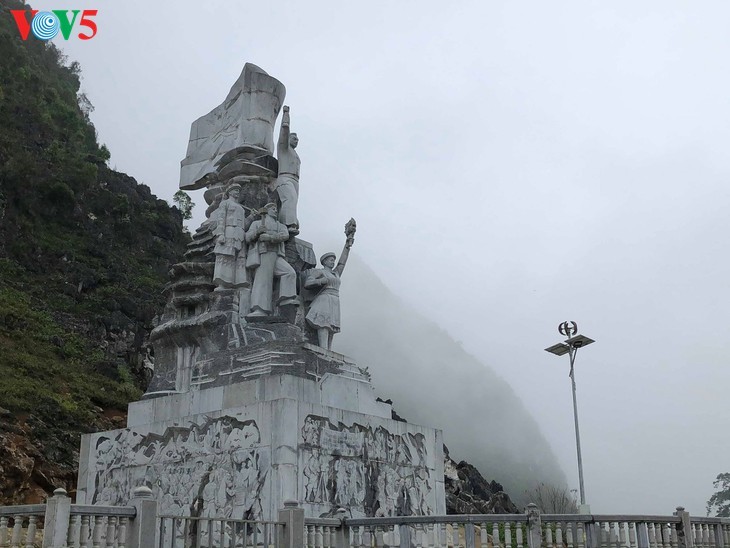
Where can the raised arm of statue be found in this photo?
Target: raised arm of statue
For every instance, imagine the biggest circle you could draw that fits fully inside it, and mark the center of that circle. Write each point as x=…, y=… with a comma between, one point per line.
x=284, y=131
x=350, y=228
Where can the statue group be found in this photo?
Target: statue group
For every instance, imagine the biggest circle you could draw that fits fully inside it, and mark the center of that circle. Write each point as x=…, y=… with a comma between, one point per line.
x=247, y=407
x=256, y=249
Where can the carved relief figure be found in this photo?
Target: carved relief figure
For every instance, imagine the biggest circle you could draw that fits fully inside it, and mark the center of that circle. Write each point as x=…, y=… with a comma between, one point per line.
x=230, y=249
x=217, y=464
x=287, y=183
x=266, y=255
x=324, y=312
x=369, y=471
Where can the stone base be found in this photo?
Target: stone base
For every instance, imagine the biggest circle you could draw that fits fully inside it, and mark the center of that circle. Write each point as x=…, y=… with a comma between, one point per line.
x=241, y=450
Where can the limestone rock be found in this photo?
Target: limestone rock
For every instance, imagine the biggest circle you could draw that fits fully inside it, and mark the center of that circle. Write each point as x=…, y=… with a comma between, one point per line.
x=467, y=492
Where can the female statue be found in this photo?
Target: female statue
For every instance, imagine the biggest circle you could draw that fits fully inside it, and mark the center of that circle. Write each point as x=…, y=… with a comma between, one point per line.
x=324, y=312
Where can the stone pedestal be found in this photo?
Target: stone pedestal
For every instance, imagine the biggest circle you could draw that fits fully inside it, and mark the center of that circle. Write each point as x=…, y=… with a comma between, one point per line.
x=300, y=425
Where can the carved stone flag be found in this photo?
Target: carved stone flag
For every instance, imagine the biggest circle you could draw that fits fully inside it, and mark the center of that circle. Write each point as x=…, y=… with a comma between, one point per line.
x=243, y=125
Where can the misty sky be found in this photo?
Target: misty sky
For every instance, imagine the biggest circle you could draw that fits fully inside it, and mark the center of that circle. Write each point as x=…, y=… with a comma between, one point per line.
x=511, y=165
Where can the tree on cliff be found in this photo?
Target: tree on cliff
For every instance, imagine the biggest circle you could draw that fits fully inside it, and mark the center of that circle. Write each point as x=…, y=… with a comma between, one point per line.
x=720, y=501
x=184, y=203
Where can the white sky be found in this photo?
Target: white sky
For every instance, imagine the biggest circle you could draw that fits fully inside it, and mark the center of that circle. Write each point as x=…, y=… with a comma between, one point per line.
x=511, y=165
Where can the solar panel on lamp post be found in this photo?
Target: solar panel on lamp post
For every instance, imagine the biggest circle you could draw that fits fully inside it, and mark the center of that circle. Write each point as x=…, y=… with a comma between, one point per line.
x=570, y=347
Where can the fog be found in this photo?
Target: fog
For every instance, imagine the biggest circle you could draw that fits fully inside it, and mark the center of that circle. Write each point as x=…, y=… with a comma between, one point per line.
x=432, y=380
x=511, y=165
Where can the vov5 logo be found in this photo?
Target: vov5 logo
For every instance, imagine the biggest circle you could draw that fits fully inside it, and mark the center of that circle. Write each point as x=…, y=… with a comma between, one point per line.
x=46, y=24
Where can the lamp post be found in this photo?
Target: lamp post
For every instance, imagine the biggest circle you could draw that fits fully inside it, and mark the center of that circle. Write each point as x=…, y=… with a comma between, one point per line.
x=571, y=345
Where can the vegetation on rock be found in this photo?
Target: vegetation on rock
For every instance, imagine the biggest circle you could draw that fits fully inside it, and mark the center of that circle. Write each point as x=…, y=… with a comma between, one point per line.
x=84, y=253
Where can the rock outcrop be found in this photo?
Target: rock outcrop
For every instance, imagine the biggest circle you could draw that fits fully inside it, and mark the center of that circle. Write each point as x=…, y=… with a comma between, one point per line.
x=467, y=492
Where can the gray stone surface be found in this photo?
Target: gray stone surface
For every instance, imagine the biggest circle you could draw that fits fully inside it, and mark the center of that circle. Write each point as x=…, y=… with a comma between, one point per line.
x=241, y=128
x=243, y=460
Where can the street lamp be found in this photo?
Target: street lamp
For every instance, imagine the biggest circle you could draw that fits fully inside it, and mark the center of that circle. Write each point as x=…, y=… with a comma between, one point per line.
x=570, y=347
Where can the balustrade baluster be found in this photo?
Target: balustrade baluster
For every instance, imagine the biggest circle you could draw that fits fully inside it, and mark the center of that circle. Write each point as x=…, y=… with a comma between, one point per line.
x=580, y=540
x=613, y=536
x=122, y=532
x=549, y=535
x=431, y=532
x=74, y=531
x=632, y=535
x=495, y=535
x=652, y=538
x=696, y=531
x=30, y=533
x=3, y=532
x=111, y=531
x=705, y=535
x=84, y=532
x=603, y=536
x=559, y=535
x=698, y=535
x=714, y=534
x=96, y=533
x=569, y=535
x=666, y=536
x=518, y=534
x=318, y=538
x=673, y=541
x=17, y=527
x=622, y=534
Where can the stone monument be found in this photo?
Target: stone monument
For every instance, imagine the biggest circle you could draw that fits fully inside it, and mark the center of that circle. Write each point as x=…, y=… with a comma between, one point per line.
x=248, y=407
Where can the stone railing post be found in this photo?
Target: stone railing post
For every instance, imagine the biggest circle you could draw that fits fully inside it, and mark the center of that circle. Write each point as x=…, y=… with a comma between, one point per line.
x=342, y=533
x=143, y=528
x=534, y=526
x=293, y=518
x=684, y=528
x=58, y=515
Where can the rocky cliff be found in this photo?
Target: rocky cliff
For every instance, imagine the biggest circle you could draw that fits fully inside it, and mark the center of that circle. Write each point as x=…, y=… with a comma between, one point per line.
x=84, y=253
